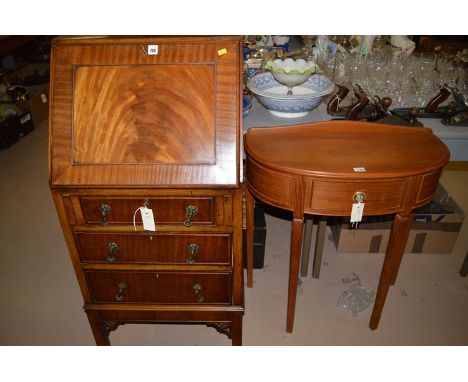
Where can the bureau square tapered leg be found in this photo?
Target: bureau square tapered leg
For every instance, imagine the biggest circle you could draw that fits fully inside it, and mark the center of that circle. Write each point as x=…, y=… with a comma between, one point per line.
x=100, y=329
x=236, y=330
x=249, y=217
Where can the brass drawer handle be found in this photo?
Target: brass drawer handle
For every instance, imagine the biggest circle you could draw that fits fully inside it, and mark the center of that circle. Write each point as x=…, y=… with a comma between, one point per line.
x=190, y=211
x=112, y=248
x=359, y=197
x=105, y=211
x=193, y=250
x=122, y=287
x=197, y=288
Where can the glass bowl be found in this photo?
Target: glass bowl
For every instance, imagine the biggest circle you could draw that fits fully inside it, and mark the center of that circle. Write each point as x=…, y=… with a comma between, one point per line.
x=291, y=72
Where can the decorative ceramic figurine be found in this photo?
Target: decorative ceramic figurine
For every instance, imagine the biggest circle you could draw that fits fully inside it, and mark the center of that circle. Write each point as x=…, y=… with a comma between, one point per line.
x=365, y=46
x=403, y=44
x=280, y=39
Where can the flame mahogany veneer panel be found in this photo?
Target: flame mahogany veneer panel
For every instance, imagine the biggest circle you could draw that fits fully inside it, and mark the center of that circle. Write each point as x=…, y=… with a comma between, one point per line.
x=144, y=114
x=122, y=118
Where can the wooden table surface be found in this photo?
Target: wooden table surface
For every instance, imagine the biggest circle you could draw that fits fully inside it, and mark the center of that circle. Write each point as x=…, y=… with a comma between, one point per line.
x=317, y=168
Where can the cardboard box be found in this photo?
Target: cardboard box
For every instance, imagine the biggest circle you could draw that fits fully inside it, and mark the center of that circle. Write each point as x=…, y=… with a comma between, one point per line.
x=38, y=103
x=36, y=78
x=430, y=232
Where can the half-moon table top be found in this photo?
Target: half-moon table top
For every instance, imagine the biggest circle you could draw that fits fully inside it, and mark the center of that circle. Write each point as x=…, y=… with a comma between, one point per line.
x=347, y=149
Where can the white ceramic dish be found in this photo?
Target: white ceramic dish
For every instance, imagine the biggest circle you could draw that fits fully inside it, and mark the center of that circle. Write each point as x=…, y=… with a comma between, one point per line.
x=291, y=72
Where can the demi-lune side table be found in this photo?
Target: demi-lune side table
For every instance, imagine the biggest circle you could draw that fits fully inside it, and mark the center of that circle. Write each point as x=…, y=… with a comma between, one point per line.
x=324, y=168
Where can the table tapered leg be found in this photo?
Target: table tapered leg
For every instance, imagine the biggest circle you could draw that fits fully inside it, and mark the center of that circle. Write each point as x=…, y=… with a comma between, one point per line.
x=321, y=227
x=406, y=222
x=296, y=241
x=308, y=226
x=249, y=232
x=464, y=267
x=396, y=247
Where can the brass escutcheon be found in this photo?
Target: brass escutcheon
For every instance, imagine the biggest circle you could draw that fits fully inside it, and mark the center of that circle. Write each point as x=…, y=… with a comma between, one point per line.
x=197, y=288
x=122, y=287
x=190, y=211
x=105, y=211
x=359, y=197
x=193, y=250
x=112, y=248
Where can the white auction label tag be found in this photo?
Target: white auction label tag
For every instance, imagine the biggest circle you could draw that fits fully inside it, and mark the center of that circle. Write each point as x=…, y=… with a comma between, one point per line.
x=43, y=98
x=148, y=219
x=356, y=212
x=359, y=169
x=153, y=50
x=25, y=119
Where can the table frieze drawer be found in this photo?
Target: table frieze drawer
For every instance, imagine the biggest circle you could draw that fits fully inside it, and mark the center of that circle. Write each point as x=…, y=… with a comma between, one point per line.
x=154, y=248
x=166, y=210
x=269, y=184
x=160, y=287
x=337, y=198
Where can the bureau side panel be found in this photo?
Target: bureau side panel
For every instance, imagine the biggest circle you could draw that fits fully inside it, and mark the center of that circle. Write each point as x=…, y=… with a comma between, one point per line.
x=64, y=216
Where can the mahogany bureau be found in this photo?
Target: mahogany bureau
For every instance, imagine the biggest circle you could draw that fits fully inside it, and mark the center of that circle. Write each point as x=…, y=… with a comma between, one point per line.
x=324, y=168
x=139, y=124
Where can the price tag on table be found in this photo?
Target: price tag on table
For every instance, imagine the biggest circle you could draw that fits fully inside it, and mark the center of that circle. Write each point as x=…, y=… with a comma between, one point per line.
x=356, y=213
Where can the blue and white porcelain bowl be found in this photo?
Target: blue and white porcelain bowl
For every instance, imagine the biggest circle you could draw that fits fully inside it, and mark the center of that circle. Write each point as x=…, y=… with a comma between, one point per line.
x=273, y=95
x=246, y=105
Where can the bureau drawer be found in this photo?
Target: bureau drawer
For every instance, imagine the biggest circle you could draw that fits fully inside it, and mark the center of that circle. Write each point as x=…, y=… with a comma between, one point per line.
x=160, y=287
x=154, y=248
x=337, y=198
x=166, y=210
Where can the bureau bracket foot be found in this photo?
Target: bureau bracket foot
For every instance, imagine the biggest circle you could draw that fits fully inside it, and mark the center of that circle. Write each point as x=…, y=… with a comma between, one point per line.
x=102, y=328
x=221, y=327
x=109, y=326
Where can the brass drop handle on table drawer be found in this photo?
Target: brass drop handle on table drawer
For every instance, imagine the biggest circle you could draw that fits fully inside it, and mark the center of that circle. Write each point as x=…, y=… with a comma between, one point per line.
x=359, y=197
x=190, y=211
x=112, y=248
x=105, y=212
x=197, y=288
x=122, y=287
x=193, y=250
